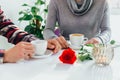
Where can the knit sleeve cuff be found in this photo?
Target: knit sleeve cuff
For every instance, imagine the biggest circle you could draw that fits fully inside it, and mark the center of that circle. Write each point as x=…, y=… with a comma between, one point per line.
x=99, y=39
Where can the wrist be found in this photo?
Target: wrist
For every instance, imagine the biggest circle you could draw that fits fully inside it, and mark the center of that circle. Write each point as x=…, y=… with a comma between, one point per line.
x=98, y=39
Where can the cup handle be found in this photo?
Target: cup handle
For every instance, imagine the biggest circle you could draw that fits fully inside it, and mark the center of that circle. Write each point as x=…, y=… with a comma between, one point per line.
x=85, y=40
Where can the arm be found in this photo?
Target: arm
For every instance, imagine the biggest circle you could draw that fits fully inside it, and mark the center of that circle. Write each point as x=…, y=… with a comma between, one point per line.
x=105, y=26
x=105, y=33
x=51, y=21
x=12, y=32
x=48, y=32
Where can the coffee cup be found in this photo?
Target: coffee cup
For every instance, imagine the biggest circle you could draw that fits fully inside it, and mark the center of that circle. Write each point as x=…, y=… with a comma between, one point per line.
x=40, y=47
x=77, y=39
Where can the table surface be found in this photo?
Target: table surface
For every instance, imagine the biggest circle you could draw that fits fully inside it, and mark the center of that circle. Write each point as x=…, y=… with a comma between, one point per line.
x=51, y=68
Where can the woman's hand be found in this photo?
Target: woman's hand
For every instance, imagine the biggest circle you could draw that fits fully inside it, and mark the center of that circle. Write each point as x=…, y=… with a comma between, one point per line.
x=54, y=45
x=92, y=41
x=22, y=50
x=62, y=42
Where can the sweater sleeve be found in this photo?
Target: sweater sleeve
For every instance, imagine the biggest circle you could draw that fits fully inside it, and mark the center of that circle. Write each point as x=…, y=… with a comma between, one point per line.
x=105, y=34
x=12, y=32
x=48, y=32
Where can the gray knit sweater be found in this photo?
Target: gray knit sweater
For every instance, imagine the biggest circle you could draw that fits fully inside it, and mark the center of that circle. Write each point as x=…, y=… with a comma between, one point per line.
x=95, y=23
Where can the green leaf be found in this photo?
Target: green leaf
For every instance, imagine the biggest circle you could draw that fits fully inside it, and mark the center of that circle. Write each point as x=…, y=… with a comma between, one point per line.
x=21, y=18
x=21, y=12
x=42, y=2
x=39, y=2
x=46, y=10
x=84, y=57
x=26, y=18
x=35, y=10
x=38, y=17
x=29, y=29
x=81, y=48
x=112, y=42
x=43, y=27
x=25, y=5
x=90, y=45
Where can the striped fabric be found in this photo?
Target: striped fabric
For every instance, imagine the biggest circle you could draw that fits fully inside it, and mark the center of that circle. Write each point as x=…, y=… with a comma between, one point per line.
x=12, y=32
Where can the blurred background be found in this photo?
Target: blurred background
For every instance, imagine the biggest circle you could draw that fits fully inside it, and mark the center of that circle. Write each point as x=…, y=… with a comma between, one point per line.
x=12, y=7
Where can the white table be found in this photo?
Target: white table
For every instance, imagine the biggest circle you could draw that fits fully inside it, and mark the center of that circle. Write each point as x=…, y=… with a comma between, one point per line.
x=52, y=69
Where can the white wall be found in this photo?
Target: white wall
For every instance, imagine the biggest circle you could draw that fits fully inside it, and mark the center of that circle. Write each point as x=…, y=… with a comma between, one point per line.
x=12, y=7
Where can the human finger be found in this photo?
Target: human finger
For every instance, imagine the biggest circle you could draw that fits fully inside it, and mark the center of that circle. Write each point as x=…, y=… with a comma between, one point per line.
x=62, y=42
x=26, y=56
x=28, y=47
x=50, y=45
x=57, y=47
x=29, y=51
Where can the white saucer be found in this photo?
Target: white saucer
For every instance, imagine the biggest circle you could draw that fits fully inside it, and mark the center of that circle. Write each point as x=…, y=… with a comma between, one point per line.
x=75, y=47
x=47, y=54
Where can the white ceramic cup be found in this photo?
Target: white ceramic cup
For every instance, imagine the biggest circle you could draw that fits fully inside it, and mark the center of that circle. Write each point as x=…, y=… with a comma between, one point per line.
x=77, y=39
x=40, y=47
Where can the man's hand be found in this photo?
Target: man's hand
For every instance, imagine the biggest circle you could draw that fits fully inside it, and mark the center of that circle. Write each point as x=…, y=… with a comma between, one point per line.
x=22, y=50
x=62, y=42
x=54, y=45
